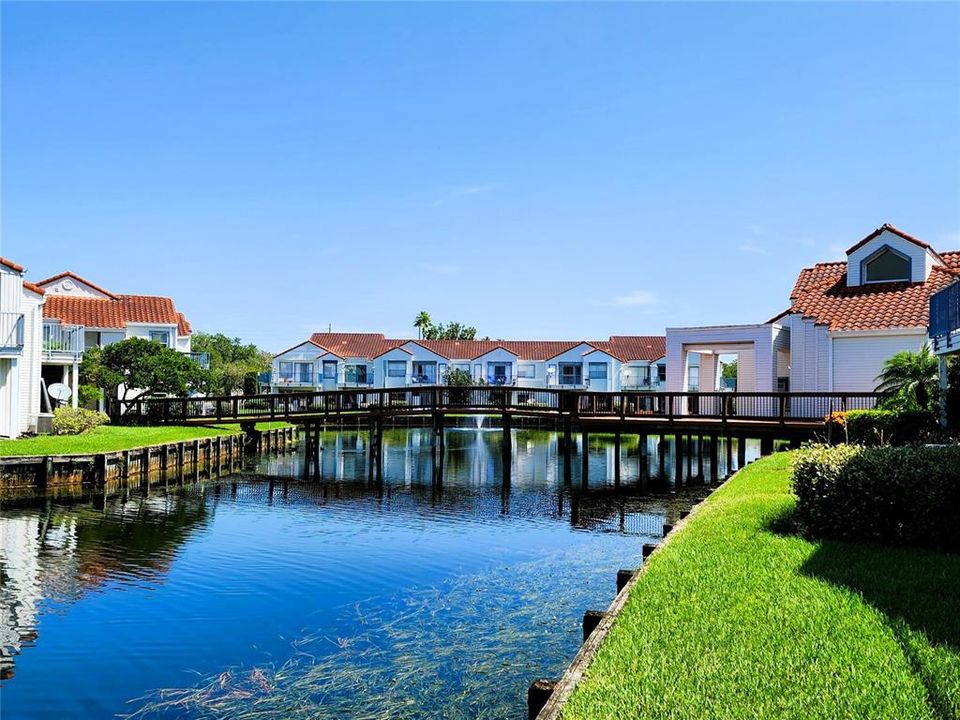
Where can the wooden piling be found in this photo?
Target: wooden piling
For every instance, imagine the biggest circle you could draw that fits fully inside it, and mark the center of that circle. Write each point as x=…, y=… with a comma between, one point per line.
x=700, y=458
x=662, y=455
x=648, y=549
x=766, y=445
x=538, y=694
x=584, y=458
x=591, y=618
x=623, y=577
x=741, y=452
x=678, y=460
x=714, y=459
x=616, y=459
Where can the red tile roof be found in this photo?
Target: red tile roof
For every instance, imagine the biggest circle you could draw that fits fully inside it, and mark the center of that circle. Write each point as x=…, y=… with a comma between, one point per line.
x=821, y=294
x=111, y=313
x=76, y=277
x=11, y=264
x=33, y=288
x=371, y=345
x=183, y=325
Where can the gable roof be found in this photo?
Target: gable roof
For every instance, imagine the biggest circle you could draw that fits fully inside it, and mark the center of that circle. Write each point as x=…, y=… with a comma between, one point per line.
x=33, y=288
x=111, y=313
x=887, y=227
x=821, y=293
x=74, y=276
x=634, y=347
x=11, y=264
x=364, y=345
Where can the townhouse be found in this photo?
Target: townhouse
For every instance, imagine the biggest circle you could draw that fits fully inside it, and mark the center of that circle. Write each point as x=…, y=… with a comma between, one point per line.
x=21, y=305
x=330, y=361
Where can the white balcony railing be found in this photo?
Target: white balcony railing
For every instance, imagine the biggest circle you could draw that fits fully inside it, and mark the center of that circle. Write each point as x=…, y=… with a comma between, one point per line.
x=11, y=332
x=62, y=341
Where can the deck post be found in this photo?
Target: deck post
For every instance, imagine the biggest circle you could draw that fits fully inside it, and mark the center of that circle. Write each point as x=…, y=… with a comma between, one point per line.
x=700, y=458
x=662, y=457
x=741, y=452
x=766, y=445
x=729, y=454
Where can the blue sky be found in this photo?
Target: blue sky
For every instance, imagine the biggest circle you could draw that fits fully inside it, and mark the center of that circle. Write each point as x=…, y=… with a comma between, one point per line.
x=535, y=170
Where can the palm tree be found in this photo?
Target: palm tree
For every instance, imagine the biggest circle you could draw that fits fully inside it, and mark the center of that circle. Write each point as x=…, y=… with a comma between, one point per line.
x=422, y=322
x=911, y=376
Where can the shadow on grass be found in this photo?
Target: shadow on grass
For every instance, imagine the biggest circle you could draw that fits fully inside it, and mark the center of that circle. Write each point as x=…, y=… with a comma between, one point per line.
x=918, y=592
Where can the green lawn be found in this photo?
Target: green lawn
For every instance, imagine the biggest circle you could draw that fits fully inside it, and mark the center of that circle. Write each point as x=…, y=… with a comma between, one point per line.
x=737, y=618
x=107, y=438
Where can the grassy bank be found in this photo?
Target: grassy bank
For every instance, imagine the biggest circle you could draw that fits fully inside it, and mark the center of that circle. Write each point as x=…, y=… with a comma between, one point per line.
x=107, y=438
x=739, y=618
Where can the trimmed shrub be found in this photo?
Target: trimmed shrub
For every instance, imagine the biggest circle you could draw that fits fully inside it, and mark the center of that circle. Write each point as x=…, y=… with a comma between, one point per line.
x=899, y=495
x=70, y=421
x=881, y=427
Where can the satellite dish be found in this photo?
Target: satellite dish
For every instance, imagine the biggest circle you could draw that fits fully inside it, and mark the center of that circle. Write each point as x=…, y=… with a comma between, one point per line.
x=60, y=392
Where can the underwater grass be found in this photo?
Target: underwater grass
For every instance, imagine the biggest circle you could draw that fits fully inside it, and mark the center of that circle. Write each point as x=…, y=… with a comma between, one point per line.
x=737, y=618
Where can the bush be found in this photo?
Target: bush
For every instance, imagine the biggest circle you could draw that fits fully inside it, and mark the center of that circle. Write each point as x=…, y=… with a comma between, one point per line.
x=902, y=495
x=73, y=421
x=881, y=427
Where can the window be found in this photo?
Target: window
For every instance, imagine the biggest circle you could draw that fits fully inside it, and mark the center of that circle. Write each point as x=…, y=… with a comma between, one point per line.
x=526, y=370
x=598, y=371
x=160, y=336
x=886, y=265
x=304, y=372
x=693, y=378
x=571, y=373
x=396, y=368
x=661, y=373
x=329, y=369
x=465, y=367
x=286, y=371
x=498, y=373
x=356, y=374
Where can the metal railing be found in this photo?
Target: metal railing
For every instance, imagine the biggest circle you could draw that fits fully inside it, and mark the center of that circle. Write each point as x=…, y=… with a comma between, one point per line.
x=723, y=407
x=11, y=331
x=200, y=358
x=945, y=316
x=62, y=341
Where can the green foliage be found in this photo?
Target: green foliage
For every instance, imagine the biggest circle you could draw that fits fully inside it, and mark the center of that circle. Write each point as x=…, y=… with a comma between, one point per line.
x=137, y=368
x=952, y=398
x=882, y=427
x=73, y=421
x=732, y=619
x=450, y=331
x=459, y=377
x=89, y=395
x=729, y=371
x=422, y=322
x=901, y=495
x=233, y=364
x=912, y=379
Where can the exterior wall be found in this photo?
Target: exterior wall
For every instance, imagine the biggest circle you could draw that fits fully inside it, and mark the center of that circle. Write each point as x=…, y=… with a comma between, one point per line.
x=143, y=331
x=921, y=260
x=859, y=358
x=809, y=355
x=573, y=355
x=305, y=352
x=497, y=355
x=31, y=361
x=383, y=380
x=612, y=383
x=15, y=361
x=754, y=344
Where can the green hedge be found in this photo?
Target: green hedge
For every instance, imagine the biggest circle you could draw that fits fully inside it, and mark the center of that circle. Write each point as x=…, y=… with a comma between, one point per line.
x=74, y=421
x=882, y=427
x=900, y=495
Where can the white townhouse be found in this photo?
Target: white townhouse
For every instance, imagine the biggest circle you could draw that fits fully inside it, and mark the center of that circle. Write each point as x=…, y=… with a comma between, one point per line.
x=78, y=315
x=20, y=328
x=845, y=319
x=330, y=361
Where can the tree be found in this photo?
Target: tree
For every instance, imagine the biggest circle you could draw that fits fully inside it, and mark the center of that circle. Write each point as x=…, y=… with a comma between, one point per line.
x=138, y=368
x=422, y=323
x=452, y=331
x=232, y=363
x=729, y=371
x=912, y=378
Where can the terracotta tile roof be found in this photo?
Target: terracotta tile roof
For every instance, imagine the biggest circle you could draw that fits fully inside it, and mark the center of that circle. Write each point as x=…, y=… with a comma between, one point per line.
x=10, y=264
x=372, y=345
x=183, y=325
x=33, y=288
x=111, y=313
x=76, y=277
x=821, y=294
x=634, y=347
x=363, y=345
x=887, y=227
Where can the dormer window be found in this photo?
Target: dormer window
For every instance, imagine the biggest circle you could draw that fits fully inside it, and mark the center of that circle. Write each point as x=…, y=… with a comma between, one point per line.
x=886, y=265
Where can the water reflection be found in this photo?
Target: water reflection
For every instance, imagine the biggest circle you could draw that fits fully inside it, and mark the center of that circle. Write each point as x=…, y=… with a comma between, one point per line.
x=260, y=570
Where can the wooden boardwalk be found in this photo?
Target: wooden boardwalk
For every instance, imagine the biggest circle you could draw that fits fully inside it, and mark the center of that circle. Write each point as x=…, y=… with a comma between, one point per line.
x=785, y=415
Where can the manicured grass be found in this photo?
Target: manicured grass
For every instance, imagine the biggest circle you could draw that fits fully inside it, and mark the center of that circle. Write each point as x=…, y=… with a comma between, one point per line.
x=738, y=618
x=107, y=438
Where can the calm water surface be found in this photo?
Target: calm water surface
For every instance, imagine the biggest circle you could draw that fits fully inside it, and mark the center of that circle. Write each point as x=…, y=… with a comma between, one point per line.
x=263, y=596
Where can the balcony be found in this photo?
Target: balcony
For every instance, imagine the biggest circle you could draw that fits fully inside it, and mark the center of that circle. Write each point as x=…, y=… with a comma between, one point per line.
x=62, y=342
x=945, y=319
x=200, y=358
x=11, y=332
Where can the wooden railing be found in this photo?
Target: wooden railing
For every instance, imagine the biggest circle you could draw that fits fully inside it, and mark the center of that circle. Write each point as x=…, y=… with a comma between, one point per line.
x=723, y=406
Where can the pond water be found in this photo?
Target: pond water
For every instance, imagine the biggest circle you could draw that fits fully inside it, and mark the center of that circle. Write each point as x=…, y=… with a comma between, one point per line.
x=263, y=596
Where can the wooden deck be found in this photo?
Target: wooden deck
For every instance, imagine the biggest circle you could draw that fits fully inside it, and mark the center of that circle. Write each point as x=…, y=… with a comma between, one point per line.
x=757, y=413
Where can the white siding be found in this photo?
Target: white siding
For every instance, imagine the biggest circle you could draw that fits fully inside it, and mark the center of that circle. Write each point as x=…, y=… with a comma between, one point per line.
x=809, y=355
x=858, y=359
x=30, y=365
x=921, y=260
